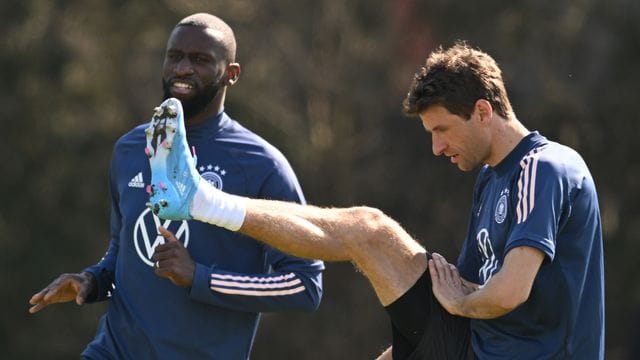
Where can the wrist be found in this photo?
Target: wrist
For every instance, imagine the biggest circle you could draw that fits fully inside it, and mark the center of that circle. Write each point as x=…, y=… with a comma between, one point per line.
x=92, y=284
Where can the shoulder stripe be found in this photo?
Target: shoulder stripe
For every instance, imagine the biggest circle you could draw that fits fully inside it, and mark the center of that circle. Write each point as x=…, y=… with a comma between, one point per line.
x=527, y=185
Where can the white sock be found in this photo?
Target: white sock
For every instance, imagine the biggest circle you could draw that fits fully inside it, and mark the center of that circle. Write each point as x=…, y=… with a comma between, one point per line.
x=216, y=207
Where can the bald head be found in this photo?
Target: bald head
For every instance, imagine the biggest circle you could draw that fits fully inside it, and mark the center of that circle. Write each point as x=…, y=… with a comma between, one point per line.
x=218, y=28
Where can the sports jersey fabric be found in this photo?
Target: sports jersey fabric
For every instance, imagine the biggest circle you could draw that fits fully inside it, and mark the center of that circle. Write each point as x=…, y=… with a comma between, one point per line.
x=541, y=195
x=236, y=277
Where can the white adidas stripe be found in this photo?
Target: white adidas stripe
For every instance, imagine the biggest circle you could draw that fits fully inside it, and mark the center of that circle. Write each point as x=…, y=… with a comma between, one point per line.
x=254, y=278
x=527, y=185
x=532, y=193
x=259, y=292
x=256, y=286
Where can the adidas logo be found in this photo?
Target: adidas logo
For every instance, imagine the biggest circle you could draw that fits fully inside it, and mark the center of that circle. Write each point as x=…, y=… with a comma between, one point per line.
x=181, y=187
x=137, y=181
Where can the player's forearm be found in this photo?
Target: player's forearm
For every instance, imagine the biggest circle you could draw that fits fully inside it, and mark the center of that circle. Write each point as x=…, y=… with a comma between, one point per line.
x=281, y=291
x=508, y=288
x=496, y=298
x=483, y=304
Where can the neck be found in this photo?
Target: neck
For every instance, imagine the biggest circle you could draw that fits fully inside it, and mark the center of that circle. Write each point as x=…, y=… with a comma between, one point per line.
x=211, y=110
x=506, y=136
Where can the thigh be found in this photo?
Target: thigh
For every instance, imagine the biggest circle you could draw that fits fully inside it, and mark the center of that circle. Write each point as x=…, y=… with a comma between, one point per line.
x=423, y=329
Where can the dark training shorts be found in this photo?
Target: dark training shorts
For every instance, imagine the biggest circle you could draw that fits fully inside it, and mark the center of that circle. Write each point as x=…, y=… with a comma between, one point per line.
x=423, y=329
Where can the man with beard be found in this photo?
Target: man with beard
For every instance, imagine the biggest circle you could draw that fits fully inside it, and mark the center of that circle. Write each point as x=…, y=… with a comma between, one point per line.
x=194, y=290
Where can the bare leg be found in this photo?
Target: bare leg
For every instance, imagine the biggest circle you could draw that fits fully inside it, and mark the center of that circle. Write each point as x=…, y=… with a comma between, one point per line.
x=379, y=246
x=388, y=256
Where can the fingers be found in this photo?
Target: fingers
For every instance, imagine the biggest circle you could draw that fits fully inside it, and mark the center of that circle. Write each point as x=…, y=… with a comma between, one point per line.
x=53, y=288
x=51, y=293
x=172, y=261
x=66, y=287
x=441, y=271
x=168, y=235
x=159, y=256
x=168, y=250
x=433, y=272
x=35, y=301
x=454, y=271
x=38, y=296
x=37, y=307
x=441, y=266
x=163, y=269
x=42, y=299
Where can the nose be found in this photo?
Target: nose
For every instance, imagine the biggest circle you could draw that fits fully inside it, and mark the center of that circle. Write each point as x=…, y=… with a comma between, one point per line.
x=184, y=67
x=438, y=145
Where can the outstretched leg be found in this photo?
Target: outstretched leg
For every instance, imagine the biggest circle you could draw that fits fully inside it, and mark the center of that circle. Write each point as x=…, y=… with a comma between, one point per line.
x=387, y=255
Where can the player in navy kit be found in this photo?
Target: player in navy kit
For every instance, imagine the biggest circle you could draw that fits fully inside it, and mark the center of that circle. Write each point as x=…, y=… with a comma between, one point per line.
x=534, y=240
x=529, y=281
x=192, y=291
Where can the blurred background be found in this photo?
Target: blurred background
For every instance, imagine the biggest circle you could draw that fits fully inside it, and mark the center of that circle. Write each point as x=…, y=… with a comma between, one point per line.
x=323, y=81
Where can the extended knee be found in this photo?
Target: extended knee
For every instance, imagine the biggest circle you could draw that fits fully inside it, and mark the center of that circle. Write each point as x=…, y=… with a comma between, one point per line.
x=373, y=228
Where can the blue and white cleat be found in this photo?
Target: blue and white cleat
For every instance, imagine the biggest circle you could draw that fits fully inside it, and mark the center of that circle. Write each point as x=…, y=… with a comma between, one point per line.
x=174, y=178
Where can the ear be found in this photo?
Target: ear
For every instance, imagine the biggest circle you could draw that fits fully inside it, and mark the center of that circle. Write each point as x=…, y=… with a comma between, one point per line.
x=483, y=110
x=233, y=73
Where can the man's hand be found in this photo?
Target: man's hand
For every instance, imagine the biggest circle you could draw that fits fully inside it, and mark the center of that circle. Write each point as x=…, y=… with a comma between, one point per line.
x=448, y=287
x=172, y=260
x=65, y=288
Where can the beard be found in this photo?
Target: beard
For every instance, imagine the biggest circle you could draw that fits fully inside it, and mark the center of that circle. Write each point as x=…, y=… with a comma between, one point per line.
x=196, y=104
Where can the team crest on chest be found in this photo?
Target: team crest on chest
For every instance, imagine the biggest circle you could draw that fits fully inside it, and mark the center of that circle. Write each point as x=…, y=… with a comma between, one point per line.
x=213, y=175
x=501, y=207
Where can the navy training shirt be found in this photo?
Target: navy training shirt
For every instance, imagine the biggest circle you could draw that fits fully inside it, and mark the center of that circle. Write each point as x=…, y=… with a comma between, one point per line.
x=541, y=195
x=236, y=277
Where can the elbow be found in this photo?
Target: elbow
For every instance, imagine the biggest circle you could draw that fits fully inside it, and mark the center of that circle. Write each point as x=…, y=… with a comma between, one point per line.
x=315, y=298
x=509, y=301
x=312, y=303
x=499, y=300
x=313, y=295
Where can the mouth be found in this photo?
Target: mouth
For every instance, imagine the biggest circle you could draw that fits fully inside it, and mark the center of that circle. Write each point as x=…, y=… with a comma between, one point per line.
x=181, y=87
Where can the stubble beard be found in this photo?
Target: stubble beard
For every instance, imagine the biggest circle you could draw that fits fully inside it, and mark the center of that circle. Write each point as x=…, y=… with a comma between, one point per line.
x=199, y=102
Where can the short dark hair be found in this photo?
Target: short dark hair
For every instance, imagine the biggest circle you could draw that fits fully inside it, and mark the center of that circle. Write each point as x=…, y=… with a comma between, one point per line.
x=456, y=78
x=208, y=21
